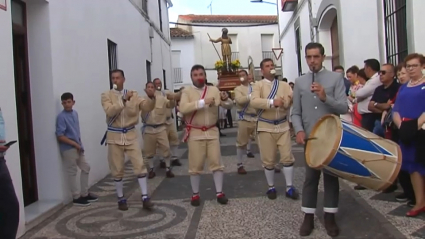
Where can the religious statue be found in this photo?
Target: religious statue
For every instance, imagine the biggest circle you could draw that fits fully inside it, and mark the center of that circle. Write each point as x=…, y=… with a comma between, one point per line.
x=226, y=50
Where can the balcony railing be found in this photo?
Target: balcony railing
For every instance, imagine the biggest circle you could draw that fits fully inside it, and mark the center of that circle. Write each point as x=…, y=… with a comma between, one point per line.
x=235, y=55
x=269, y=54
x=177, y=75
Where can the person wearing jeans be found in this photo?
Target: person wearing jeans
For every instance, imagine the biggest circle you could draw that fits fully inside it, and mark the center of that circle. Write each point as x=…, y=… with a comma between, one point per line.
x=9, y=205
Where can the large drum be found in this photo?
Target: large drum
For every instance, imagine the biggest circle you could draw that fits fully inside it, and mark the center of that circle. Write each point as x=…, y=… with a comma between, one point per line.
x=352, y=153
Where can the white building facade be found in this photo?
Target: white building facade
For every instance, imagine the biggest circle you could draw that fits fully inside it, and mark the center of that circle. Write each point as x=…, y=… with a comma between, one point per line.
x=351, y=31
x=190, y=42
x=57, y=46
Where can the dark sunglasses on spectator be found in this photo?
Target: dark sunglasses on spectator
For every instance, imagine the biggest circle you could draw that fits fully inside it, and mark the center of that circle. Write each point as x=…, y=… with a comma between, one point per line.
x=382, y=72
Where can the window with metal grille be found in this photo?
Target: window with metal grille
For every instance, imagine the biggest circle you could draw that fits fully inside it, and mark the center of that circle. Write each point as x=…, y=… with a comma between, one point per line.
x=145, y=6
x=148, y=71
x=112, y=58
x=160, y=14
x=164, y=79
x=395, y=30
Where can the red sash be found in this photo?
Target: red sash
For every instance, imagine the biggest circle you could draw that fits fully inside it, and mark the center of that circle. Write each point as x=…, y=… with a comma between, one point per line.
x=189, y=123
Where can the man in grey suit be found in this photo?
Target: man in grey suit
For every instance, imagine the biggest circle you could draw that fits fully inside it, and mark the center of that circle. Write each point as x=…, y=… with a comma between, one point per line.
x=311, y=101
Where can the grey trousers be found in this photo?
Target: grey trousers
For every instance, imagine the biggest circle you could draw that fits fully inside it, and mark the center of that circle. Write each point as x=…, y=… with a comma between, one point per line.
x=310, y=190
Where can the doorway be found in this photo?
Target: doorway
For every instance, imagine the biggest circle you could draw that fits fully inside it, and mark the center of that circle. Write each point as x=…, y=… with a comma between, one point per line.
x=23, y=103
x=335, y=43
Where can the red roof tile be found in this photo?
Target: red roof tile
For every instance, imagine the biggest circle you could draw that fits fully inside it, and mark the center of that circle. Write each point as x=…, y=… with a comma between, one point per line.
x=180, y=33
x=229, y=18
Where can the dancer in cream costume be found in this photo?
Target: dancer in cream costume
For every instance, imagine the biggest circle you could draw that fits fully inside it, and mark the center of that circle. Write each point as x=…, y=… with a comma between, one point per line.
x=272, y=98
x=199, y=105
x=122, y=109
x=170, y=124
x=247, y=118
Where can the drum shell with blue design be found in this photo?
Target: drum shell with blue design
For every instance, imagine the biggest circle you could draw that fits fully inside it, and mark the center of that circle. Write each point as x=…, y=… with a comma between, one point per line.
x=353, y=153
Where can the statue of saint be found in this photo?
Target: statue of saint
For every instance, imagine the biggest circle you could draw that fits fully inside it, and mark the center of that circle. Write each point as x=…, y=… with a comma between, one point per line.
x=226, y=50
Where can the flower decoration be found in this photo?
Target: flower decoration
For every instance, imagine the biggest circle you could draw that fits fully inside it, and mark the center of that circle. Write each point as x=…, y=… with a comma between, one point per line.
x=218, y=65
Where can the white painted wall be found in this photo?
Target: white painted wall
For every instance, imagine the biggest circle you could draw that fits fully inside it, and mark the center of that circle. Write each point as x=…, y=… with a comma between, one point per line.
x=186, y=46
x=68, y=53
x=361, y=32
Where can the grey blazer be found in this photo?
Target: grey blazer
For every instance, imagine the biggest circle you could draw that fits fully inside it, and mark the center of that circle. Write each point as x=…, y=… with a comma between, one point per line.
x=308, y=108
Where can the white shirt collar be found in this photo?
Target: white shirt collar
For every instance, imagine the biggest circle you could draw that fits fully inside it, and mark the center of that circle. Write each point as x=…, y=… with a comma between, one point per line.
x=318, y=71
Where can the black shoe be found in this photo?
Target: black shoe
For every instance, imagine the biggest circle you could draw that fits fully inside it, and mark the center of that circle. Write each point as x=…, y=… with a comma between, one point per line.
x=358, y=187
x=401, y=198
x=411, y=203
x=122, y=204
x=176, y=162
x=292, y=193
x=222, y=199
x=250, y=155
x=81, y=202
x=195, y=200
x=91, y=198
x=390, y=189
x=147, y=204
x=272, y=194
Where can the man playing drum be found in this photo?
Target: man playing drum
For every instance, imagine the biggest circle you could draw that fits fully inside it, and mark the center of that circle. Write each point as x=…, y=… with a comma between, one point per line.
x=247, y=118
x=272, y=99
x=199, y=105
x=316, y=94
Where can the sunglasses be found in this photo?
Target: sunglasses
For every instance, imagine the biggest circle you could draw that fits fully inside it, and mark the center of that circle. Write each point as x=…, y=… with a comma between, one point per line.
x=382, y=72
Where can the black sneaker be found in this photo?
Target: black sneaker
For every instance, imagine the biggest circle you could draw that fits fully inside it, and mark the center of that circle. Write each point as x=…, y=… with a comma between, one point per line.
x=401, y=198
x=122, y=204
x=91, y=198
x=250, y=155
x=81, y=202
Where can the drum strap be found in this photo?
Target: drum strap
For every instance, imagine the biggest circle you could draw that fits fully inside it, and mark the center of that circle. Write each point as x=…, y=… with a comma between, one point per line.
x=272, y=94
x=111, y=121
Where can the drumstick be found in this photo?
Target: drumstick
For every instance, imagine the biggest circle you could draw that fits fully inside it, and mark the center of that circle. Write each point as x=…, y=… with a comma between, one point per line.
x=307, y=139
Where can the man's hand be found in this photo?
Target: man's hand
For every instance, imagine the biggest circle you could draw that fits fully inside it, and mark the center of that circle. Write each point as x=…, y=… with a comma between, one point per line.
x=278, y=102
x=300, y=137
x=128, y=96
x=2, y=147
x=209, y=101
x=170, y=96
x=78, y=148
x=319, y=90
x=150, y=92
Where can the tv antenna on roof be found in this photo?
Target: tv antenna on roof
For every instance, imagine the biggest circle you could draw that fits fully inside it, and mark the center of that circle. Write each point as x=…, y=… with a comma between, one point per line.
x=210, y=6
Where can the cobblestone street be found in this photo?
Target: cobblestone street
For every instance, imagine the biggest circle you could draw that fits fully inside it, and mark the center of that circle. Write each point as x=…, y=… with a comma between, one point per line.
x=249, y=213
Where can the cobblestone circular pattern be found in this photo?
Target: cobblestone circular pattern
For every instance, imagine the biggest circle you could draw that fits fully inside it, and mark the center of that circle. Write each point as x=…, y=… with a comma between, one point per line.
x=109, y=222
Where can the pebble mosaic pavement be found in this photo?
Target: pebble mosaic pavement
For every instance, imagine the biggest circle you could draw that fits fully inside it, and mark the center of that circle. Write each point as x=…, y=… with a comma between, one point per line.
x=249, y=214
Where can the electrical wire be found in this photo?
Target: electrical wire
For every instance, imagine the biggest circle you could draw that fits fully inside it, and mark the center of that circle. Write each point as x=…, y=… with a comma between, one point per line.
x=211, y=25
